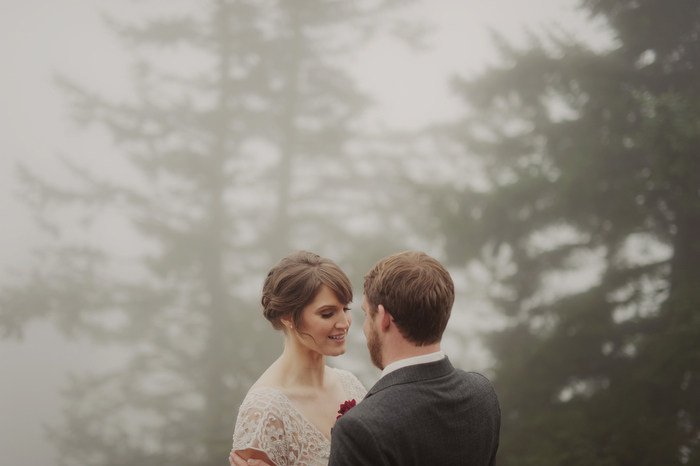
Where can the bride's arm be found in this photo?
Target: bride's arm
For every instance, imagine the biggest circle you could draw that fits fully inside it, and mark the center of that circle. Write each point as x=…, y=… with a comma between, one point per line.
x=259, y=423
x=249, y=457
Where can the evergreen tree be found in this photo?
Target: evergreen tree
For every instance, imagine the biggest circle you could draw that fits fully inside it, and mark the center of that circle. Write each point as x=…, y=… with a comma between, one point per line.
x=589, y=223
x=239, y=164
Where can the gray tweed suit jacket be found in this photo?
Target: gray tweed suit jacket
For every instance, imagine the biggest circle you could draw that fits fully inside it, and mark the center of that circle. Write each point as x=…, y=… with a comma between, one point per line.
x=421, y=415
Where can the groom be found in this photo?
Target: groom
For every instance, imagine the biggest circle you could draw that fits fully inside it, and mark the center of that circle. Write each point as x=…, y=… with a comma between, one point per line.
x=422, y=410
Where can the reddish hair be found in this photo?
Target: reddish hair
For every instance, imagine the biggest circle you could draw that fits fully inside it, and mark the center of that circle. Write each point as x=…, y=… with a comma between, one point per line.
x=416, y=291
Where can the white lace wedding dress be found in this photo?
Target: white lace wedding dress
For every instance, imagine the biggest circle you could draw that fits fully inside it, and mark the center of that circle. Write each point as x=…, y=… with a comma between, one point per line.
x=268, y=421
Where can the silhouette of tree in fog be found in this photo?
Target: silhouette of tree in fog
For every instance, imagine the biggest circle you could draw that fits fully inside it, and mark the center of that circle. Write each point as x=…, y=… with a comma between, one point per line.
x=592, y=164
x=239, y=164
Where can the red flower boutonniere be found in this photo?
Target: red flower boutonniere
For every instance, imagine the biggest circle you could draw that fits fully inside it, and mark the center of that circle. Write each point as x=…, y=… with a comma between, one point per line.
x=345, y=407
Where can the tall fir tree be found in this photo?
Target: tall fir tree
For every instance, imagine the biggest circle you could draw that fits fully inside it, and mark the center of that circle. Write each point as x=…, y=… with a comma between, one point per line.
x=589, y=222
x=239, y=164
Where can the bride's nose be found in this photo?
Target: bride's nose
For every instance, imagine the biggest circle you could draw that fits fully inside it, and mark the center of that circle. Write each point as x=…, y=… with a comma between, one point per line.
x=344, y=320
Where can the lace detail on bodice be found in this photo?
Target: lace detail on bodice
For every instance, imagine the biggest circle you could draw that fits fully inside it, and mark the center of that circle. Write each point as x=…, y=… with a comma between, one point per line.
x=269, y=422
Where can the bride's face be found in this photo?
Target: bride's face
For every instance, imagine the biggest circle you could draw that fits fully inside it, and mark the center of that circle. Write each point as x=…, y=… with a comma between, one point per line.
x=325, y=323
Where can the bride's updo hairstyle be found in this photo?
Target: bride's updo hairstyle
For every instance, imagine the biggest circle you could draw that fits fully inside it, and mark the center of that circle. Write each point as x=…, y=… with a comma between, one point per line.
x=294, y=283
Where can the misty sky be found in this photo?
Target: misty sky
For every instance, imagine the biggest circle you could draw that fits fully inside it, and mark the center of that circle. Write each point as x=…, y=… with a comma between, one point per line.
x=39, y=38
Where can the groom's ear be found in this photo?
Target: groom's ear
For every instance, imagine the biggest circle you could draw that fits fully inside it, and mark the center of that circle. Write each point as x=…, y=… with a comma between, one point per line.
x=384, y=318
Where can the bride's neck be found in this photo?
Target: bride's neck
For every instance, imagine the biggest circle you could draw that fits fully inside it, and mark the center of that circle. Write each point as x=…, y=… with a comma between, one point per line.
x=300, y=366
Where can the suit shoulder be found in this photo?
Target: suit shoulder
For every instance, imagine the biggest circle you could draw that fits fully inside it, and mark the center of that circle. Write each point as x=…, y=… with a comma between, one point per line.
x=475, y=375
x=476, y=380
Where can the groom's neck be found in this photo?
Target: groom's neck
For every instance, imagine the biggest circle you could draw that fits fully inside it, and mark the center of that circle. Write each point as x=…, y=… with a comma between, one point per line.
x=403, y=349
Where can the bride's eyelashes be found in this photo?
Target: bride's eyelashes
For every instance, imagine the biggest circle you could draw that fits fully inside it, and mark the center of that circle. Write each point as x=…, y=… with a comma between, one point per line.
x=328, y=315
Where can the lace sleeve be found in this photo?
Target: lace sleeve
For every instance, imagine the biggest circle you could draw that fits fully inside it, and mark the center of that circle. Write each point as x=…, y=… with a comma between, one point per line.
x=353, y=386
x=260, y=426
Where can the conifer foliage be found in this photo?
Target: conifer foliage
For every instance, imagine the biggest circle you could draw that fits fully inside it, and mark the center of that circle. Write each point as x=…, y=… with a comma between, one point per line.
x=239, y=159
x=593, y=165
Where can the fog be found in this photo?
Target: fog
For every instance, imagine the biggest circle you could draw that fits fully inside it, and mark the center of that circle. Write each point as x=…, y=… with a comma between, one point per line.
x=42, y=39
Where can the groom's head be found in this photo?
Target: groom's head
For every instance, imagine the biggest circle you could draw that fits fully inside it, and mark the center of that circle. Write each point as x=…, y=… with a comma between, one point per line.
x=416, y=291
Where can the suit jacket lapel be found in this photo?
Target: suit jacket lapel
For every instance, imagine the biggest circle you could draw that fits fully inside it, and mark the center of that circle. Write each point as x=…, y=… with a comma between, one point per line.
x=416, y=373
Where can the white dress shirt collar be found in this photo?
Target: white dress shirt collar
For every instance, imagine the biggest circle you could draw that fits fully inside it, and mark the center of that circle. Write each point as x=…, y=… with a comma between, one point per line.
x=422, y=359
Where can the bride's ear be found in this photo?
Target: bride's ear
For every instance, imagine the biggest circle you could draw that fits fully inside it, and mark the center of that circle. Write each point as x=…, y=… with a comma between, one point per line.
x=287, y=322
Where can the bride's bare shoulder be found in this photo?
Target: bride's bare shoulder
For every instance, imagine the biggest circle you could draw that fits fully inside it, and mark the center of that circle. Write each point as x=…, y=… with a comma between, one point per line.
x=269, y=378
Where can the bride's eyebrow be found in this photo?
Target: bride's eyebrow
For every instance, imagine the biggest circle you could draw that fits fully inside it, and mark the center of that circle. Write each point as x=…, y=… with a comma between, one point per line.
x=327, y=307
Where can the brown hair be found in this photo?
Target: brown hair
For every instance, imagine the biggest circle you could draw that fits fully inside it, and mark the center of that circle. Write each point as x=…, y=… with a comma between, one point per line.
x=294, y=283
x=416, y=291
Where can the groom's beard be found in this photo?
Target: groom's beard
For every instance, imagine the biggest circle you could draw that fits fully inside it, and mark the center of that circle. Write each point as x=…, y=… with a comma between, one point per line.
x=375, y=348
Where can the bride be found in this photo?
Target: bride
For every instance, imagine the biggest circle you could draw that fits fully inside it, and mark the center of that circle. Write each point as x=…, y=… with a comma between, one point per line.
x=287, y=415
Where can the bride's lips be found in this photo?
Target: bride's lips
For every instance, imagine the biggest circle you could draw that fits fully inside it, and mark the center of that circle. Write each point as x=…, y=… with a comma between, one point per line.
x=338, y=338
